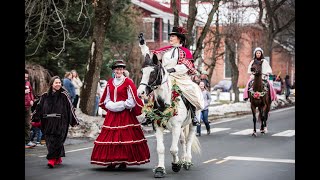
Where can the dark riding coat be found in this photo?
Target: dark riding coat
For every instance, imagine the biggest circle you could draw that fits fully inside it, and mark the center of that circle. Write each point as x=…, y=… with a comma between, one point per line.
x=55, y=112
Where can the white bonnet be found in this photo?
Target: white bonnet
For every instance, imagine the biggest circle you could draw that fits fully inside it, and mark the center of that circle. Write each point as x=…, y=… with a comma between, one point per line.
x=257, y=49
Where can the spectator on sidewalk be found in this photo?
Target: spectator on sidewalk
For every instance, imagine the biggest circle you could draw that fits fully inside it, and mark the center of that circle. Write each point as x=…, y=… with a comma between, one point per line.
x=288, y=86
x=67, y=84
x=204, y=77
x=205, y=111
x=35, y=127
x=77, y=83
x=35, y=133
x=97, y=99
x=55, y=113
x=28, y=102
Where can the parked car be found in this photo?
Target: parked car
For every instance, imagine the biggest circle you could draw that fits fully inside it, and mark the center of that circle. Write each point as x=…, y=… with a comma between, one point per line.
x=224, y=85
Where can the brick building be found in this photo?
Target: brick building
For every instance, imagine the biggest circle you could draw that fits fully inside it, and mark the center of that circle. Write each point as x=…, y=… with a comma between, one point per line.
x=158, y=21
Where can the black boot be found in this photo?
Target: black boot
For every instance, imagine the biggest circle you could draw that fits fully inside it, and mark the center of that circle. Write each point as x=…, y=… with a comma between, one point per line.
x=195, y=121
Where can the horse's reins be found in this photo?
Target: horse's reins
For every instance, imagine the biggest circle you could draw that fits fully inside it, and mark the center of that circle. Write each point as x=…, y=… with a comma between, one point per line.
x=154, y=85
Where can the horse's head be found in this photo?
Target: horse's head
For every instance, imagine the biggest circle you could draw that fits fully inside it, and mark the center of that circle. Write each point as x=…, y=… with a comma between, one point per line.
x=256, y=67
x=152, y=75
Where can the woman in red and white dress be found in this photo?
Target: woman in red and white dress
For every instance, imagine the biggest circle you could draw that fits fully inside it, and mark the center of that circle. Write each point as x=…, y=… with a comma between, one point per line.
x=121, y=140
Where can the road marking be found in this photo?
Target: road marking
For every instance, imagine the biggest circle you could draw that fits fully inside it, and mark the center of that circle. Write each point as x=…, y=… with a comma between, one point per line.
x=72, y=150
x=210, y=160
x=150, y=135
x=224, y=160
x=242, y=158
x=223, y=121
x=243, y=132
x=287, y=133
x=213, y=130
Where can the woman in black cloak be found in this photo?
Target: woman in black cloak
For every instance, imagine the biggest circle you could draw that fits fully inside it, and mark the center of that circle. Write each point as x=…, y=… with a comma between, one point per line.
x=55, y=112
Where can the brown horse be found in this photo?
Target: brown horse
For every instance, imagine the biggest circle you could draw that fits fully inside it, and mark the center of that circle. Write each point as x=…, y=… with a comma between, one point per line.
x=259, y=93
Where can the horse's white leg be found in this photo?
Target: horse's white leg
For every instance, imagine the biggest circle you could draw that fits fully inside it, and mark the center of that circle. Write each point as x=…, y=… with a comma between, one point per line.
x=183, y=145
x=176, y=130
x=160, y=146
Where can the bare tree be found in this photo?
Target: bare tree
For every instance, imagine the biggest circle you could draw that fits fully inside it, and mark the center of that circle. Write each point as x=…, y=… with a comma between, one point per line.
x=214, y=45
x=46, y=20
x=190, y=23
x=275, y=16
x=205, y=29
x=102, y=16
x=175, y=11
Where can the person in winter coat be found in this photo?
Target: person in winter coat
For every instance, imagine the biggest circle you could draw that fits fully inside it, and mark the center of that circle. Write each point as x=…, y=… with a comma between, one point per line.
x=288, y=86
x=55, y=113
x=205, y=112
x=77, y=83
x=68, y=85
x=28, y=103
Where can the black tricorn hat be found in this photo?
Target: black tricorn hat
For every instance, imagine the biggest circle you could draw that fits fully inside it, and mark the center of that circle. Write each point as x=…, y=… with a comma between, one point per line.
x=179, y=31
x=118, y=63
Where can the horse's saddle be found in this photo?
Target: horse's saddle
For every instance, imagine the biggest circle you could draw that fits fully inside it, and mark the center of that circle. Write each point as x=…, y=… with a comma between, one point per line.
x=265, y=85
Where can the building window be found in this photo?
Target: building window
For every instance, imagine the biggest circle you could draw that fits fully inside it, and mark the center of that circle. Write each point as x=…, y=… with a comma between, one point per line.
x=156, y=30
x=165, y=30
x=148, y=29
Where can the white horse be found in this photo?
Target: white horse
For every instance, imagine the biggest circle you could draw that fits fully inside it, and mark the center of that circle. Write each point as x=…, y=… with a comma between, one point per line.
x=155, y=78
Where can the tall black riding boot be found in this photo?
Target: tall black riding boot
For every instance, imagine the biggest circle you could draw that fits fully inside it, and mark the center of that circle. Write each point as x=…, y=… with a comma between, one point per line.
x=195, y=121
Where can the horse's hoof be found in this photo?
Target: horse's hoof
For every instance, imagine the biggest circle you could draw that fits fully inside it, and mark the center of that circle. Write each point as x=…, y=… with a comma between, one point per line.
x=263, y=131
x=159, y=172
x=254, y=134
x=176, y=167
x=186, y=166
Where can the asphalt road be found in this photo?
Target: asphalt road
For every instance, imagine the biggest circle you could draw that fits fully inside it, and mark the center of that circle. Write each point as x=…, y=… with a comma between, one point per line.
x=228, y=153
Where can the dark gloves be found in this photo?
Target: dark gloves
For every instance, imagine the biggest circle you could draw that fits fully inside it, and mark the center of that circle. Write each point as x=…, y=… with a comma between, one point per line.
x=141, y=39
x=171, y=70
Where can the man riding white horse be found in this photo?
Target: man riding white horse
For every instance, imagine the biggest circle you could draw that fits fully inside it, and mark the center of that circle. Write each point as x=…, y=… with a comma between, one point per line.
x=178, y=61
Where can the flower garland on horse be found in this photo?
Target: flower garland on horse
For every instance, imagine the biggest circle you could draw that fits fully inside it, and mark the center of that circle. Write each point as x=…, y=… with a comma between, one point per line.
x=161, y=118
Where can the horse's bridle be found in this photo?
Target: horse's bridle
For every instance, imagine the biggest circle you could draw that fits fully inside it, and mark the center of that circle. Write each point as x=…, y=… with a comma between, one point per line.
x=154, y=84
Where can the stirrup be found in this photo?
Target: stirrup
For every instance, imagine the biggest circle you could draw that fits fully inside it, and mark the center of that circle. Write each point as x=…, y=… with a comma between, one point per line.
x=196, y=123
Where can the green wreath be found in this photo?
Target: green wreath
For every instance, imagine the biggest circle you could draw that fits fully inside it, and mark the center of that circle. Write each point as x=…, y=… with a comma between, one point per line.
x=162, y=117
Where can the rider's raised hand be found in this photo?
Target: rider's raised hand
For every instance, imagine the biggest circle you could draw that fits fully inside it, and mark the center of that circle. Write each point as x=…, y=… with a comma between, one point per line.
x=141, y=39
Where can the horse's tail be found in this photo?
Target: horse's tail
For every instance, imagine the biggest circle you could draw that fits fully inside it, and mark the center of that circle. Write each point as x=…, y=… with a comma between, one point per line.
x=195, y=146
